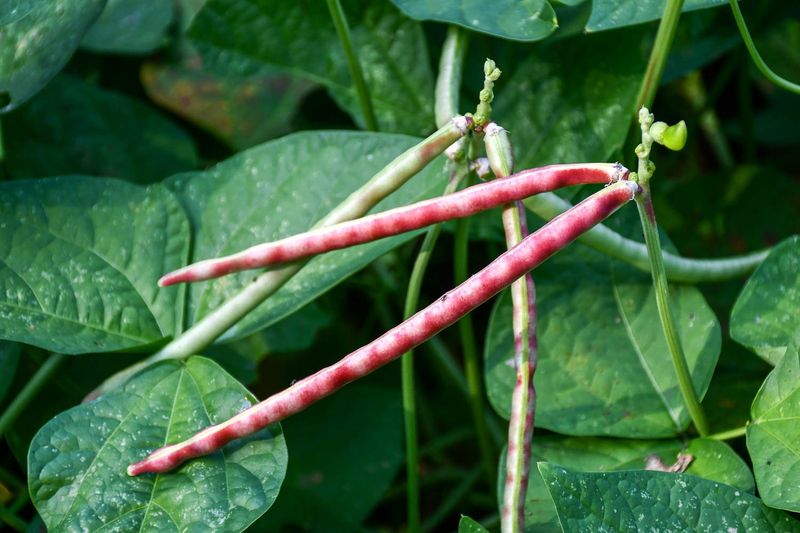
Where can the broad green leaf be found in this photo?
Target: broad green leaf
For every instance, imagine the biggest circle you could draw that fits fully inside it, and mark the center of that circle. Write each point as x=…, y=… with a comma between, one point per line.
x=773, y=437
x=242, y=110
x=561, y=111
x=9, y=357
x=335, y=480
x=130, y=27
x=604, y=365
x=468, y=525
x=298, y=38
x=13, y=10
x=712, y=460
x=281, y=188
x=520, y=20
x=661, y=501
x=79, y=260
x=610, y=14
x=36, y=46
x=765, y=317
x=74, y=127
x=76, y=463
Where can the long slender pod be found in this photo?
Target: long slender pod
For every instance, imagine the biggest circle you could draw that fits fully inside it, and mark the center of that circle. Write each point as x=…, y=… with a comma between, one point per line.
x=443, y=312
x=402, y=219
x=382, y=184
x=523, y=297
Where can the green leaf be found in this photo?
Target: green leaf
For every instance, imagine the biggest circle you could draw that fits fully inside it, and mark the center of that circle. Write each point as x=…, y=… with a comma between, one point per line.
x=36, y=46
x=468, y=525
x=625, y=501
x=578, y=110
x=79, y=260
x=298, y=38
x=610, y=14
x=604, y=366
x=74, y=127
x=242, y=110
x=281, y=188
x=13, y=10
x=9, y=357
x=77, y=461
x=712, y=460
x=525, y=20
x=335, y=480
x=773, y=437
x=765, y=317
x=130, y=27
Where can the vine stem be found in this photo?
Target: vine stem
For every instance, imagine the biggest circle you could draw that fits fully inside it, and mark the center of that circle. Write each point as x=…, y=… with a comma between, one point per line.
x=342, y=28
x=448, y=82
x=472, y=372
x=647, y=215
x=523, y=297
x=658, y=56
x=29, y=391
x=681, y=269
x=407, y=365
x=729, y=434
x=761, y=65
x=660, y=285
x=217, y=322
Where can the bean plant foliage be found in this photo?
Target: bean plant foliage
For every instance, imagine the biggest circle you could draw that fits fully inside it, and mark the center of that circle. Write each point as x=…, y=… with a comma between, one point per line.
x=139, y=137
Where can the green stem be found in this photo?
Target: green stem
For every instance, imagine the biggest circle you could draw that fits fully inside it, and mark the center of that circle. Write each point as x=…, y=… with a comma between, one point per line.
x=680, y=269
x=761, y=65
x=658, y=56
x=466, y=333
x=448, y=83
x=407, y=364
x=339, y=20
x=29, y=391
x=648, y=219
x=452, y=500
x=729, y=434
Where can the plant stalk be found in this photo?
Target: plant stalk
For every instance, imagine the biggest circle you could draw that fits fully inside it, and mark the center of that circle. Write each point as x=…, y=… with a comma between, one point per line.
x=29, y=391
x=660, y=285
x=448, y=82
x=658, y=56
x=729, y=434
x=761, y=65
x=466, y=333
x=647, y=215
x=407, y=366
x=362, y=92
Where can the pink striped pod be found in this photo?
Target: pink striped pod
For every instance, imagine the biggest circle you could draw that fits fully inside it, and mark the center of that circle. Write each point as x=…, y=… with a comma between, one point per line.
x=523, y=397
x=402, y=219
x=424, y=324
